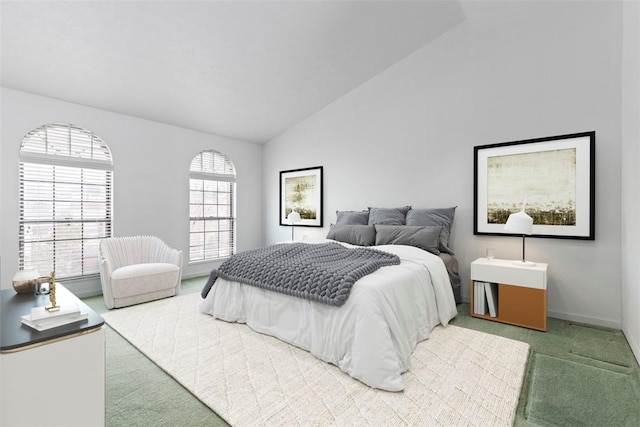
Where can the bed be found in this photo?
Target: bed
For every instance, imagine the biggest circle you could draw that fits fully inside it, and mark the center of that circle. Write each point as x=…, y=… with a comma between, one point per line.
x=372, y=334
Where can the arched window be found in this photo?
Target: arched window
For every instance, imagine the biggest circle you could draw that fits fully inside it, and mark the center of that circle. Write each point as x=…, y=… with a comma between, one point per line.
x=212, y=193
x=65, y=200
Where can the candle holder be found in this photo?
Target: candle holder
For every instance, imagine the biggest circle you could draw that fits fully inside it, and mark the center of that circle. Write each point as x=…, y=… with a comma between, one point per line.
x=28, y=282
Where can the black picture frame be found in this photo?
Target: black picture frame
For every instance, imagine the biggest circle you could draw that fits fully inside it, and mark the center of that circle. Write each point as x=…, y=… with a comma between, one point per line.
x=301, y=189
x=555, y=173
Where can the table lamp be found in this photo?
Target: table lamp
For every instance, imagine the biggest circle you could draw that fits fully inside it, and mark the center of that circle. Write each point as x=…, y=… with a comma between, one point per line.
x=293, y=218
x=520, y=223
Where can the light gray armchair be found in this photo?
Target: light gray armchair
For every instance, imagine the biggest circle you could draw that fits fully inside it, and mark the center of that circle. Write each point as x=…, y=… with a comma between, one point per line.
x=138, y=269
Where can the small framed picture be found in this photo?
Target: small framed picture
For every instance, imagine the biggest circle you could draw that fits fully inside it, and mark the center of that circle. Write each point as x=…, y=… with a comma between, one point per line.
x=301, y=191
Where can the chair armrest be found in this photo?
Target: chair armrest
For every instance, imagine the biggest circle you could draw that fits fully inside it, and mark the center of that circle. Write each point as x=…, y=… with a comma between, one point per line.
x=105, y=282
x=175, y=257
x=105, y=268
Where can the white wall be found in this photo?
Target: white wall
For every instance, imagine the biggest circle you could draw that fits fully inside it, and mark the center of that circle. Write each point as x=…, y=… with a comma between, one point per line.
x=1, y=195
x=151, y=172
x=511, y=71
x=631, y=175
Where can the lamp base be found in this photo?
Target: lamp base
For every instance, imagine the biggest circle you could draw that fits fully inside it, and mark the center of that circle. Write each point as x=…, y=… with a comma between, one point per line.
x=524, y=263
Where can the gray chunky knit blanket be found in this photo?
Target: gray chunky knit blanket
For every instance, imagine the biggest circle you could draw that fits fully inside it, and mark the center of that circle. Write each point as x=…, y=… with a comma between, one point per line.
x=322, y=272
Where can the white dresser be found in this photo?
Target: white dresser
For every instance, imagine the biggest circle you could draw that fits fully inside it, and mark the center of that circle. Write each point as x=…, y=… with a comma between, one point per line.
x=54, y=377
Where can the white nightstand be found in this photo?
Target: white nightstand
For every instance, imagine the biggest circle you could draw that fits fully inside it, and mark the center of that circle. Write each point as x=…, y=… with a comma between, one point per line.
x=522, y=291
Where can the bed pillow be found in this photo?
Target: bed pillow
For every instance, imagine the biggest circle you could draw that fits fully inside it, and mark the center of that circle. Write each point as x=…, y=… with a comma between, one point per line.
x=360, y=235
x=431, y=217
x=352, y=217
x=388, y=216
x=427, y=238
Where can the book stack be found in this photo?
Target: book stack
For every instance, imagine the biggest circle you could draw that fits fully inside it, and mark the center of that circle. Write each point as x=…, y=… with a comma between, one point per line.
x=40, y=319
x=485, y=298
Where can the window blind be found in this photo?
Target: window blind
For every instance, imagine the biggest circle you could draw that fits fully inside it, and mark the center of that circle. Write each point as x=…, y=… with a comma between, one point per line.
x=212, y=189
x=65, y=200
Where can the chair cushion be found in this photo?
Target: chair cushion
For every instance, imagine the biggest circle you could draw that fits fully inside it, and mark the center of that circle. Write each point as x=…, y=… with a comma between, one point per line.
x=138, y=279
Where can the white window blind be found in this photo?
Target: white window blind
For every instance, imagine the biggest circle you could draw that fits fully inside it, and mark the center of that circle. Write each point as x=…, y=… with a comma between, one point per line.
x=212, y=189
x=65, y=200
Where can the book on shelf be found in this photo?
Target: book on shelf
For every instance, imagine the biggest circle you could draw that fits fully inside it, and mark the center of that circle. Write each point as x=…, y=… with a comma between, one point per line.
x=480, y=300
x=491, y=292
x=483, y=300
x=476, y=300
x=41, y=319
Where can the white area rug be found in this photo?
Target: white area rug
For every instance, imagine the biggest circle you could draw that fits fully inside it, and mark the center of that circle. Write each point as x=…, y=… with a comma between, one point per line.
x=459, y=376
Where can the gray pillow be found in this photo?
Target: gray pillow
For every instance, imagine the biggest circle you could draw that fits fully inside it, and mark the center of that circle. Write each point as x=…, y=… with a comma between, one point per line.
x=431, y=217
x=427, y=238
x=361, y=235
x=388, y=216
x=352, y=217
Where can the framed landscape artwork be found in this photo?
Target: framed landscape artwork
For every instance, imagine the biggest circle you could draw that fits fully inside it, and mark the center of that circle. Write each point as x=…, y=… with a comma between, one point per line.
x=556, y=176
x=301, y=190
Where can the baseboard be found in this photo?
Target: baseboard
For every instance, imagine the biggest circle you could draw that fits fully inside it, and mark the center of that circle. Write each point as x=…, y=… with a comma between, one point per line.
x=194, y=276
x=635, y=345
x=588, y=320
x=84, y=290
x=83, y=287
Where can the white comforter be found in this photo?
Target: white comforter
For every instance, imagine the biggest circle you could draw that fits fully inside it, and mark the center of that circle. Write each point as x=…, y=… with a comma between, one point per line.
x=370, y=337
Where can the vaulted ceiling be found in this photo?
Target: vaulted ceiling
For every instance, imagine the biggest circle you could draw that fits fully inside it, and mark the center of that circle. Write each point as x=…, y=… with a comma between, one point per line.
x=244, y=69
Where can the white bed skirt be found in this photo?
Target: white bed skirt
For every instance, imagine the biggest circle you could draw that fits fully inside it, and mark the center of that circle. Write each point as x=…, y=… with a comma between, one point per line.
x=370, y=337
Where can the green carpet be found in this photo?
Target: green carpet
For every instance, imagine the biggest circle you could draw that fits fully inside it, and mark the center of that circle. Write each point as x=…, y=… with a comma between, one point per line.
x=599, y=397
x=139, y=393
x=602, y=345
x=577, y=375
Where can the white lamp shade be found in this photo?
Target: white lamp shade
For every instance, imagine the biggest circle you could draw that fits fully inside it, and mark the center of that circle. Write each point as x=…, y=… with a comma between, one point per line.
x=519, y=223
x=294, y=217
